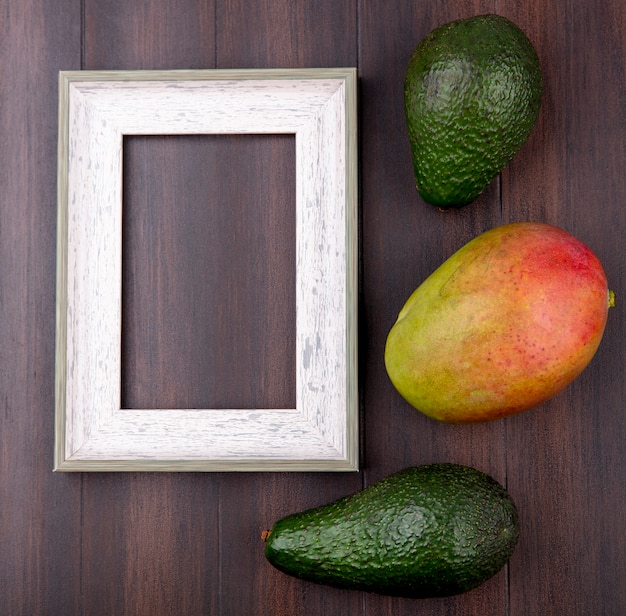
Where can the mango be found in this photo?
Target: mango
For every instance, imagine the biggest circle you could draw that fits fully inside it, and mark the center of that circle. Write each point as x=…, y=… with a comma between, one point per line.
x=506, y=323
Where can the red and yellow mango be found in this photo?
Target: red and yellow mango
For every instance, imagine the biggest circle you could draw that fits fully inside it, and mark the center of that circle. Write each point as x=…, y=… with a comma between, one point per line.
x=506, y=323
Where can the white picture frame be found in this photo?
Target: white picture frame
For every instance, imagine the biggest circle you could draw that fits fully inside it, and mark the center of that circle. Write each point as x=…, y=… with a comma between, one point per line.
x=96, y=110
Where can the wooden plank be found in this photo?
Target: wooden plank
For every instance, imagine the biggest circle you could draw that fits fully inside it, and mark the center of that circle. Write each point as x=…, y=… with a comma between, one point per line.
x=120, y=35
x=285, y=34
x=279, y=34
x=150, y=541
x=565, y=459
x=404, y=240
x=39, y=511
x=219, y=264
x=149, y=544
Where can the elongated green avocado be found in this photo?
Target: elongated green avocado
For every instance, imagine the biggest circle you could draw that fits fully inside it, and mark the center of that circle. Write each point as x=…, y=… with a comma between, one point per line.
x=472, y=94
x=426, y=531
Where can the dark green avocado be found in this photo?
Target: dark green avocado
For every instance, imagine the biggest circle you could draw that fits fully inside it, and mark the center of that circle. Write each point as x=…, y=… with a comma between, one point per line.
x=427, y=531
x=472, y=94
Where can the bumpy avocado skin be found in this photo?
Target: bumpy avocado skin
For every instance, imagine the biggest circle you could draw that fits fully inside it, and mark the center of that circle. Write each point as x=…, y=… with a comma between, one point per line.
x=472, y=95
x=428, y=531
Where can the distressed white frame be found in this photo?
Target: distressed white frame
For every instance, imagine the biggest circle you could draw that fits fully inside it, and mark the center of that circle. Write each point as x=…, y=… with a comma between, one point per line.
x=96, y=109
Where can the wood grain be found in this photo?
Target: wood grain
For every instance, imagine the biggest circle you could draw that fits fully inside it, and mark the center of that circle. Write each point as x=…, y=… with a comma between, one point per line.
x=321, y=33
x=183, y=543
x=233, y=293
x=120, y=35
x=39, y=513
x=565, y=460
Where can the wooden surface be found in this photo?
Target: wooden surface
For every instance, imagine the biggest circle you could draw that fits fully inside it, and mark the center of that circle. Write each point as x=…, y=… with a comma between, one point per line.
x=189, y=544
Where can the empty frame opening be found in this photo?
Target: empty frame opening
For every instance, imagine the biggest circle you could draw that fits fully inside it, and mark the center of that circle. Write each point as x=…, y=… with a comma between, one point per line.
x=208, y=272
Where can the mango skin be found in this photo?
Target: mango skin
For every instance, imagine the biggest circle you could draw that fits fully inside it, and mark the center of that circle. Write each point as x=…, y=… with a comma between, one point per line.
x=506, y=323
